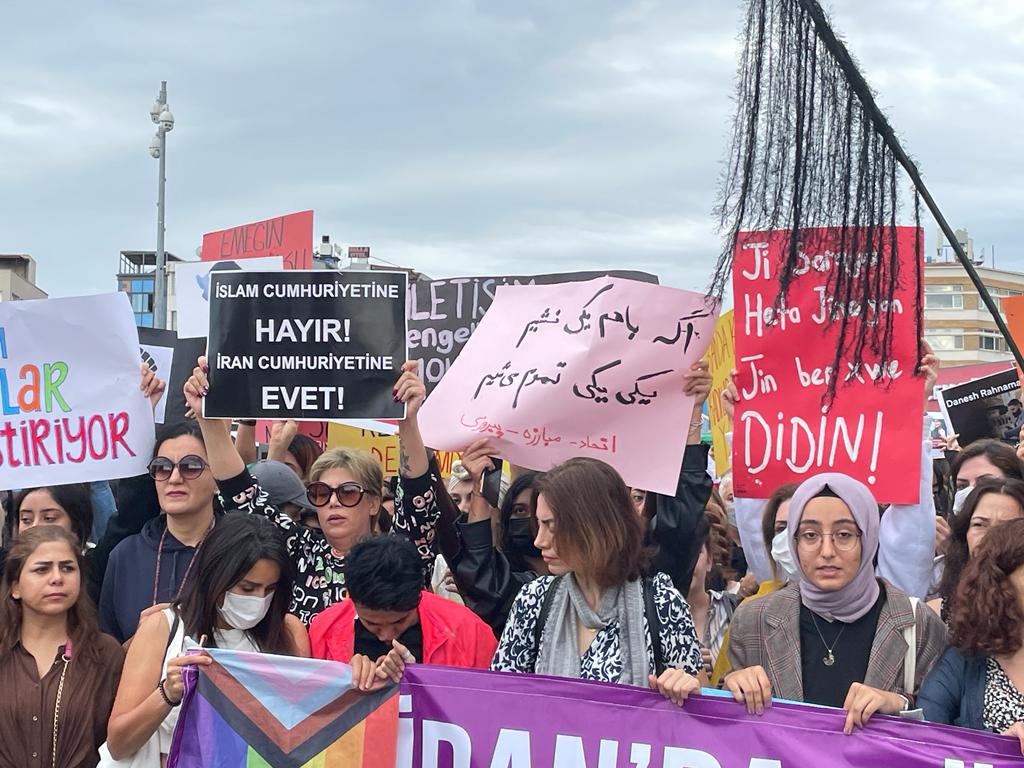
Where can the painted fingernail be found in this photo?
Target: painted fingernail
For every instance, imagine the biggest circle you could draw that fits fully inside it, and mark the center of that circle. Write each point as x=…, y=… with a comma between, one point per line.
x=394, y=392
x=397, y=399
x=206, y=369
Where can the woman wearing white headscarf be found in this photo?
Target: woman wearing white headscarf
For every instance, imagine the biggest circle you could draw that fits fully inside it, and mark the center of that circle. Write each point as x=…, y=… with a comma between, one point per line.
x=839, y=636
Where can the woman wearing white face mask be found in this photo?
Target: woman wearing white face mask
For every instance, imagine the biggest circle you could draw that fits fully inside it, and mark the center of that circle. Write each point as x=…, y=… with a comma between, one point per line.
x=238, y=600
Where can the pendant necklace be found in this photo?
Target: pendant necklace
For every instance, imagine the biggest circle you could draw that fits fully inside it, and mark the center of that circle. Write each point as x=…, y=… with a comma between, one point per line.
x=829, y=658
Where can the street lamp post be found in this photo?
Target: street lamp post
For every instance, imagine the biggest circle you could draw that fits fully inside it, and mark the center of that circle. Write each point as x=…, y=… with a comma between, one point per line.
x=161, y=115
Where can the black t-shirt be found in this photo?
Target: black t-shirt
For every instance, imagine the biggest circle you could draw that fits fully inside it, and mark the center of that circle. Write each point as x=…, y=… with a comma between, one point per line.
x=367, y=643
x=851, y=649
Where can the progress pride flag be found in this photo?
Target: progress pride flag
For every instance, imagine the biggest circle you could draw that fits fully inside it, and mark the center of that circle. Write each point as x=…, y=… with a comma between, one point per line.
x=782, y=430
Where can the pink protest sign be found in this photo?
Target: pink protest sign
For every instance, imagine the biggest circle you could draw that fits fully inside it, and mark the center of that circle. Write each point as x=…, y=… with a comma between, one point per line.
x=578, y=369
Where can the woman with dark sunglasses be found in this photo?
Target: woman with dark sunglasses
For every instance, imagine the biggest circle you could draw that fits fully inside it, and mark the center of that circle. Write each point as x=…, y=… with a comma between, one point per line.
x=149, y=569
x=345, y=487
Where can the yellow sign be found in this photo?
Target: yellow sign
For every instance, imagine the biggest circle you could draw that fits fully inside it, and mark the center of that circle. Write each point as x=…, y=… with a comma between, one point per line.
x=721, y=360
x=383, y=447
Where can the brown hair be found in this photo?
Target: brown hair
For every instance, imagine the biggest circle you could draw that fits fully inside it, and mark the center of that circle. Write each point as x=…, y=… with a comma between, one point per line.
x=81, y=617
x=957, y=552
x=987, y=617
x=717, y=540
x=996, y=452
x=596, y=525
x=305, y=450
x=781, y=495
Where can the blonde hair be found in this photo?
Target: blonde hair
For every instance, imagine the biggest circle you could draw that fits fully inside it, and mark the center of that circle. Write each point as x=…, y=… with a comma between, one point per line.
x=363, y=466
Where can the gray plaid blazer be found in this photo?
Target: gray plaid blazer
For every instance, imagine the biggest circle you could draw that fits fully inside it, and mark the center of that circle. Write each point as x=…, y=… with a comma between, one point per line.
x=766, y=632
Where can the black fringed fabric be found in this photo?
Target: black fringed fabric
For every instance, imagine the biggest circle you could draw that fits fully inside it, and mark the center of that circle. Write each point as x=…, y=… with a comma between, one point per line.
x=806, y=153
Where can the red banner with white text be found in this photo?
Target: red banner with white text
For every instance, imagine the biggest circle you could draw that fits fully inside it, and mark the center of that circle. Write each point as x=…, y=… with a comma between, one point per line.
x=785, y=429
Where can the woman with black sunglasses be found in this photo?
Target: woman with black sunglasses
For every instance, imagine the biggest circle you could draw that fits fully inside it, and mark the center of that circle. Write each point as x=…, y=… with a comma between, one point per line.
x=149, y=569
x=345, y=487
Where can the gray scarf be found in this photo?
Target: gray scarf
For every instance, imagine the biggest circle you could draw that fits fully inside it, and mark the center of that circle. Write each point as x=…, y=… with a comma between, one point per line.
x=559, y=646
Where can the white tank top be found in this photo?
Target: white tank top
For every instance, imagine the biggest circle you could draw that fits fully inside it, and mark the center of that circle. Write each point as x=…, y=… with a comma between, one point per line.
x=230, y=639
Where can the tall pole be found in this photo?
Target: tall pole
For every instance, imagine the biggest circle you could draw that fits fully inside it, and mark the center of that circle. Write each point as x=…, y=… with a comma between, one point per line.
x=863, y=91
x=161, y=115
x=160, y=297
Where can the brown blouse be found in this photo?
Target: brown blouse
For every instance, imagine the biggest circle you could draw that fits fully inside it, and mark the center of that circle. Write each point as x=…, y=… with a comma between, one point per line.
x=27, y=704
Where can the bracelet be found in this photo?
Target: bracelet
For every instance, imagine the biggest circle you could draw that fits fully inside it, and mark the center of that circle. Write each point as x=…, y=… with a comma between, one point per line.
x=695, y=424
x=165, y=697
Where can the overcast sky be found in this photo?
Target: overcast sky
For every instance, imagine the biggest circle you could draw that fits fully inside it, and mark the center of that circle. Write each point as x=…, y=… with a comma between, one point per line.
x=453, y=136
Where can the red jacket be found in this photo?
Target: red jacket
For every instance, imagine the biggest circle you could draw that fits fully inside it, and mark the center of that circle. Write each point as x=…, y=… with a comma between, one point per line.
x=453, y=636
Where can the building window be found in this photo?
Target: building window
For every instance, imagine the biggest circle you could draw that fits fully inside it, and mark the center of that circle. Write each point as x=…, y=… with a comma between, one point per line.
x=945, y=342
x=143, y=285
x=144, y=319
x=944, y=301
x=142, y=302
x=991, y=343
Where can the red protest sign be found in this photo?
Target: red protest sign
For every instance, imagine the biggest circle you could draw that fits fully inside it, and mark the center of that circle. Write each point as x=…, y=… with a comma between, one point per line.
x=290, y=237
x=784, y=431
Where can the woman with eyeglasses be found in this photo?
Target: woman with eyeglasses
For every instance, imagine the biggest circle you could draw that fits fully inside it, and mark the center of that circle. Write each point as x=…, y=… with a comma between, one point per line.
x=838, y=636
x=238, y=600
x=149, y=569
x=344, y=486
x=58, y=673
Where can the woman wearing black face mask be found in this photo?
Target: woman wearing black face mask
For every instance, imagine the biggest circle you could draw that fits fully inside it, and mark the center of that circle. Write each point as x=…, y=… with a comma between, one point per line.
x=518, y=529
x=490, y=564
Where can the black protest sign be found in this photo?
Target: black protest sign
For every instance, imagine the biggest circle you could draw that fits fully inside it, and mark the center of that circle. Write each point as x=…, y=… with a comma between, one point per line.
x=444, y=313
x=186, y=354
x=157, y=349
x=171, y=359
x=989, y=407
x=306, y=344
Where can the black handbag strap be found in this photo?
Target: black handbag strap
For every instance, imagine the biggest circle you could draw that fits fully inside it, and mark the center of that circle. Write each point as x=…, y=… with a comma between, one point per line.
x=174, y=630
x=545, y=610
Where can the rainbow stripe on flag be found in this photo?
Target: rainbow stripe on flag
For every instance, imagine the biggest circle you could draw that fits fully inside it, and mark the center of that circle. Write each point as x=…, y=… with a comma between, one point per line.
x=253, y=710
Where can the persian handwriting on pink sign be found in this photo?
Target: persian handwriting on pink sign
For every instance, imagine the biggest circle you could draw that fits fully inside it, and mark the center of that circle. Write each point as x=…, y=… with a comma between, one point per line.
x=534, y=436
x=684, y=329
x=599, y=394
x=507, y=378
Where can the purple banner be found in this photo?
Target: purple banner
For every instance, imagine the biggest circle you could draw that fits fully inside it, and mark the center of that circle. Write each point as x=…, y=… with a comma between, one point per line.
x=461, y=718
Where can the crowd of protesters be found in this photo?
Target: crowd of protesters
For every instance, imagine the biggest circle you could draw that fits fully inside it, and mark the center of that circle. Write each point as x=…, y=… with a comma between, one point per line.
x=819, y=593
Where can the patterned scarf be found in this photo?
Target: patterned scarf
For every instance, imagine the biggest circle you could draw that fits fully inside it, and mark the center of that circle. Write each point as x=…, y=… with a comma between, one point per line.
x=559, y=648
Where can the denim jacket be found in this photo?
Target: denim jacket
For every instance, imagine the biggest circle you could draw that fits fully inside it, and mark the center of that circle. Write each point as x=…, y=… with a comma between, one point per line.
x=954, y=691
